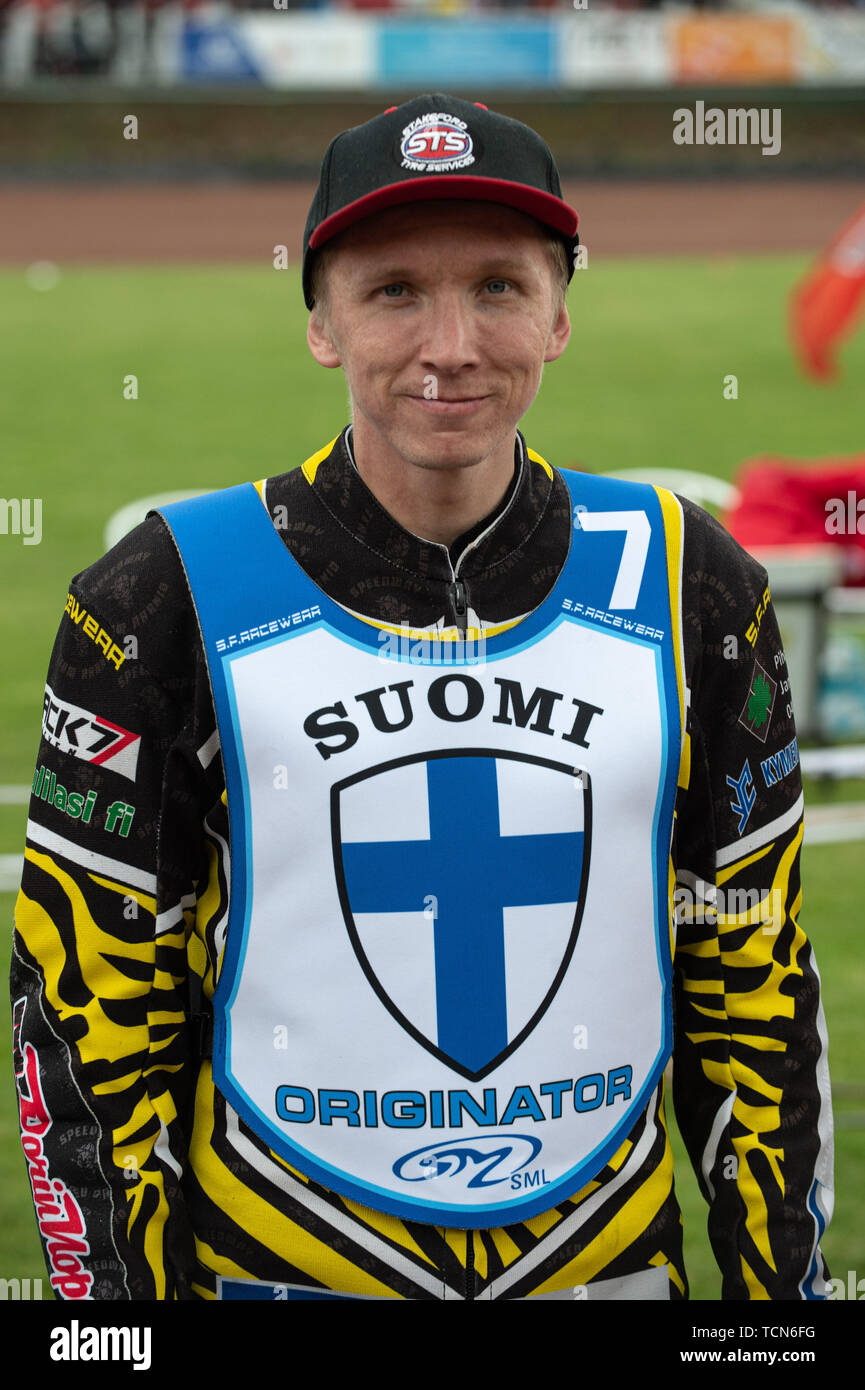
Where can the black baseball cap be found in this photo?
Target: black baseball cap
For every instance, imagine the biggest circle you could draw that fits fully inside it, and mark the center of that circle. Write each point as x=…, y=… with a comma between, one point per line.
x=435, y=146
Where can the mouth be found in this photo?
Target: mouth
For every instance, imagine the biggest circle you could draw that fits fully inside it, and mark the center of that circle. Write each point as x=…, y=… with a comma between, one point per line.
x=449, y=405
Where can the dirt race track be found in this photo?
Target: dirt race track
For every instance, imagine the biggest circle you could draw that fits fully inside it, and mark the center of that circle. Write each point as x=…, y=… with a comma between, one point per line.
x=99, y=223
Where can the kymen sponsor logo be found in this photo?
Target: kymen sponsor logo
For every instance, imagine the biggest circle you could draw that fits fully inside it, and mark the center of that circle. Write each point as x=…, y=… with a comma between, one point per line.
x=79, y=731
x=746, y=797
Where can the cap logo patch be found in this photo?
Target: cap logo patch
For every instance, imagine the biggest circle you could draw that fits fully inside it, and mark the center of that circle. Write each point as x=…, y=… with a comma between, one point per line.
x=436, y=143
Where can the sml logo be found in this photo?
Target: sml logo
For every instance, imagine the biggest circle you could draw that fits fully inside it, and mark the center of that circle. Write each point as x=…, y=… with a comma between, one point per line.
x=484, y=1161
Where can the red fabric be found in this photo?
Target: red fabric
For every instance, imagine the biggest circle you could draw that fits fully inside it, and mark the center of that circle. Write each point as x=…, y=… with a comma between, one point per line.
x=782, y=502
x=824, y=306
x=546, y=207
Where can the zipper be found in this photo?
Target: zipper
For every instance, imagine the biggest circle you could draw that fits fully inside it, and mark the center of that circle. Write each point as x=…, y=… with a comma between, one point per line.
x=459, y=598
x=458, y=593
x=457, y=590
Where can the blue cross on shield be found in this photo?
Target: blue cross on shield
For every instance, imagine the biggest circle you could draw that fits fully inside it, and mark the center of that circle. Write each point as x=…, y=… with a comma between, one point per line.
x=462, y=877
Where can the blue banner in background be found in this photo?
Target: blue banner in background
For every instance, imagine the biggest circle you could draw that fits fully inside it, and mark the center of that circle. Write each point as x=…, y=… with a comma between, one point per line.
x=216, y=52
x=432, y=53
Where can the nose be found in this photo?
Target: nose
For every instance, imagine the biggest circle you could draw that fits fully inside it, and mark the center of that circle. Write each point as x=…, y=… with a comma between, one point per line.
x=449, y=339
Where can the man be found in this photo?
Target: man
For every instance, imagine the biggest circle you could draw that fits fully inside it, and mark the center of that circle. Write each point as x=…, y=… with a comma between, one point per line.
x=346, y=962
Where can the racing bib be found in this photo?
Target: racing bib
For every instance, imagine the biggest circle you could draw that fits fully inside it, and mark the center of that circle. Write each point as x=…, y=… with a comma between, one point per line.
x=445, y=987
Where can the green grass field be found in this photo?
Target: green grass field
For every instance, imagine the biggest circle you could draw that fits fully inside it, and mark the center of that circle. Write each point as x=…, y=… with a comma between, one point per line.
x=228, y=391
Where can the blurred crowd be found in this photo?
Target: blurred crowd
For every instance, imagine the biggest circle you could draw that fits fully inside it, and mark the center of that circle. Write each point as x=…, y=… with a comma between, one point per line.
x=107, y=38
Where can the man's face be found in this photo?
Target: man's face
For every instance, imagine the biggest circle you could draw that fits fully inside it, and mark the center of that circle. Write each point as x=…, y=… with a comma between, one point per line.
x=442, y=315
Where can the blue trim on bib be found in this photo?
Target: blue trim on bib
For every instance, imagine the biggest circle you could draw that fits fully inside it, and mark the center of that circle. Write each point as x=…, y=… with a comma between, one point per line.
x=237, y=566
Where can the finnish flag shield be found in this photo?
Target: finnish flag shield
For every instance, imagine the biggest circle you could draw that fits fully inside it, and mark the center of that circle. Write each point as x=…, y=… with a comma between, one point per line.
x=462, y=877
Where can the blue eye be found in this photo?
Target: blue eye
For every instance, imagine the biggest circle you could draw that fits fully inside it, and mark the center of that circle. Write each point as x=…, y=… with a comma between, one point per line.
x=394, y=286
x=492, y=283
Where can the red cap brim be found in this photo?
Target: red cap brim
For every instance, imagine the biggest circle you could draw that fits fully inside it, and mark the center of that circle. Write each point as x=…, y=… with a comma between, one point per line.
x=544, y=207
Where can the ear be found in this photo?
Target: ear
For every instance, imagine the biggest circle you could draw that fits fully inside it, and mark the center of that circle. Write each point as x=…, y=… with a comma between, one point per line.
x=321, y=344
x=560, y=334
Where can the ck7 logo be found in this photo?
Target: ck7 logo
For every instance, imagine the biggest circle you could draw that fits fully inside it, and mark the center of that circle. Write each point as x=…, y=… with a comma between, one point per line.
x=87, y=735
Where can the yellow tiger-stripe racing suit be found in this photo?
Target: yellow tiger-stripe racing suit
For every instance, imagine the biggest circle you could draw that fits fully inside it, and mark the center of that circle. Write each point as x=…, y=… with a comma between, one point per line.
x=149, y=1186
